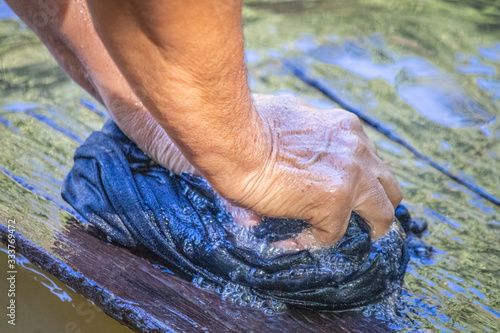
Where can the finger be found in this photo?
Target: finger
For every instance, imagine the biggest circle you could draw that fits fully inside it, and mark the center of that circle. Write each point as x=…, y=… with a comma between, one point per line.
x=247, y=218
x=323, y=232
x=368, y=142
x=242, y=216
x=377, y=210
x=303, y=241
x=391, y=186
x=329, y=230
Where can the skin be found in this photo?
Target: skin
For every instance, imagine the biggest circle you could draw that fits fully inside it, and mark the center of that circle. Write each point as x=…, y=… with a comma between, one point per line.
x=172, y=75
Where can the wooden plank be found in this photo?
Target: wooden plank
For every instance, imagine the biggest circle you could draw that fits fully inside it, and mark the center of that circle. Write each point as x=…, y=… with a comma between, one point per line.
x=142, y=297
x=42, y=123
x=463, y=228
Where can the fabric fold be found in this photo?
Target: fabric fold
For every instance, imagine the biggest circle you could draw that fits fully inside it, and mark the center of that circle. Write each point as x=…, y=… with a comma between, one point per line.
x=137, y=203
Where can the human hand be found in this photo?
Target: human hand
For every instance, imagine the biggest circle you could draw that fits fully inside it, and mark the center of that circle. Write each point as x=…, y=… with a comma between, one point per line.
x=322, y=167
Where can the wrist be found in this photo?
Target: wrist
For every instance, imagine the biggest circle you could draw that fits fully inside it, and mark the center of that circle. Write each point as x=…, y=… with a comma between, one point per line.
x=248, y=160
x=230, y=153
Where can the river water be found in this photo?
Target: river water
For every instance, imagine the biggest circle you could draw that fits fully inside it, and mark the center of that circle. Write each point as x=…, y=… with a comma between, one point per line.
x=427, y=72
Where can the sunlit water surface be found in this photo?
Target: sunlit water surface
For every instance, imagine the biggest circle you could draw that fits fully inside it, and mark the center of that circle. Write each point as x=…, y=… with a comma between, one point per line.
x=45, y=305
x=428, y=71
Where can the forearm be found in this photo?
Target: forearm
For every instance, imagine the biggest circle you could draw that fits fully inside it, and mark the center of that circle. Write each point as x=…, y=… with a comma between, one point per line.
x=184, y=60
x=66, y=29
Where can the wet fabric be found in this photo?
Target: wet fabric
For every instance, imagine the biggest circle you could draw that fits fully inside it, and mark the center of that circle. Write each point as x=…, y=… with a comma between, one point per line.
x=139, y=204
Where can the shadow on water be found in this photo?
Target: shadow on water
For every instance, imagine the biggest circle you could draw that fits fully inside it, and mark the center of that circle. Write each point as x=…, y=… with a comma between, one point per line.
x=59, y=308
x=428, y=71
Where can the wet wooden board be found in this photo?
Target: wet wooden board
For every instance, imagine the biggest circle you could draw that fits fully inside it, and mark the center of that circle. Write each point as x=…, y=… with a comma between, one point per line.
x=140, y=296
x=37, y=154
x=131, y=290
x=38, y=141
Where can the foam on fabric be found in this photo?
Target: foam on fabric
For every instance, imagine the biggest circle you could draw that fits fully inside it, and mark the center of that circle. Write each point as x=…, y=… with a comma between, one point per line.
x=139, y=204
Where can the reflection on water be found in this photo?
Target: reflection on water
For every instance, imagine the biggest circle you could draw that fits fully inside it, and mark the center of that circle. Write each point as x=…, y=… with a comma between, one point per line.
x=429, y=71
x=45, y=305
x=425, y=88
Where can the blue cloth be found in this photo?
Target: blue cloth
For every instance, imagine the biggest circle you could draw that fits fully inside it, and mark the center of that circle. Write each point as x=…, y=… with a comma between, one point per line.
x=138, y=203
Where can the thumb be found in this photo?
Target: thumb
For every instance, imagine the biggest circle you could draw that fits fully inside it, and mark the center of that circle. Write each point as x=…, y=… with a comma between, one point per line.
x=323, y=232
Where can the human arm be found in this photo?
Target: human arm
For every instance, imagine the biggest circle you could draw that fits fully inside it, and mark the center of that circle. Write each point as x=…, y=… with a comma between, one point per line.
x=184, y=59
x=66, y=29
x=305, y=177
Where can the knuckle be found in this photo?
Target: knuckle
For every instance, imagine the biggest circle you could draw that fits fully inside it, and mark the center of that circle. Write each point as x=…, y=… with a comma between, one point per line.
x=394, y=191
x=338, y=115
x=362, y=147
x=385, y=173
x=387, y=216
x=290, y=100
x=354, y=170
x=351, y=119
x=355, y=121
